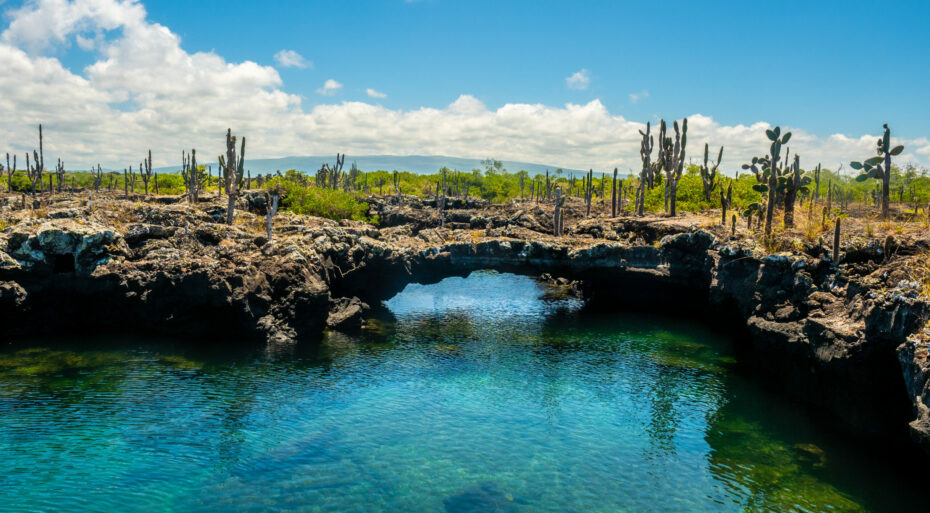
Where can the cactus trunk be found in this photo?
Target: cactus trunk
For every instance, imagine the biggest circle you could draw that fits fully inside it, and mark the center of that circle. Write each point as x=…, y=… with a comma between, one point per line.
x=836, y=242
x=886, y=185
x=613, y=196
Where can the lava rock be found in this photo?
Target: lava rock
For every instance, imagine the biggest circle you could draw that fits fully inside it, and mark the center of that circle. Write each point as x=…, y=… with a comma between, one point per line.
x=347, y=314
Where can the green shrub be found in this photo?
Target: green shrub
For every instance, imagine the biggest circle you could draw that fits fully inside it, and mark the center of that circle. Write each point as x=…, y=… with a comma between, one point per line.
x=316, y=201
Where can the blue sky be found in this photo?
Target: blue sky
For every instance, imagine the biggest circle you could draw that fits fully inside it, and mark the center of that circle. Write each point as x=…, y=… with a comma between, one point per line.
x=832, y=71
x=827, y=66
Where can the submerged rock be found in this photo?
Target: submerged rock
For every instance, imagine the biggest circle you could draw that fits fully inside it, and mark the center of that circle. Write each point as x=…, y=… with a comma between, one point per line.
x=481, y=498
x=825, y=334
x=811, y=455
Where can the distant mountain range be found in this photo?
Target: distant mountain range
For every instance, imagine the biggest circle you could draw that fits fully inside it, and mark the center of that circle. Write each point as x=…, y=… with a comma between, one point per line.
x=412, y=163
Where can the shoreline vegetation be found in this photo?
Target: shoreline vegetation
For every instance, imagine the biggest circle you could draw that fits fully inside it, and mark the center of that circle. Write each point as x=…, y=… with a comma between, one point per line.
x=826, y=275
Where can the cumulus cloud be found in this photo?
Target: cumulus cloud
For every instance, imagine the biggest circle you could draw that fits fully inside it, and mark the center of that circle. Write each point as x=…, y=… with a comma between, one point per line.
x=578, y=80
x=330, y=87
x=39, y=24
x=144, y=91
x=636, y=97
x=374, y=93
x=291, y=59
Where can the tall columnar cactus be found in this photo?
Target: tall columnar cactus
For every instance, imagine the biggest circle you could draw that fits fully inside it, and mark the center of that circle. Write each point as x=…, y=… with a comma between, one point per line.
x=836, y=242
x=660, y=162
x=441, y=207
x=59, y=174
x=613, y=196
x=330, y=177
x=233, y=171
x=588, y=192
x=193, y=176
x=790, y=184
x=145, y=171
x=557, y=213
x=620, y=194
x=129, y=181
x=880, y=166
x=672, y=156
x=97, y=175
x=353, y=177
x=646, y=174
x=725, y=202
x=271, y=209
x=709, y=173
x=9, y=172
x=817, y=182
x=335, y=171
x=34, y=171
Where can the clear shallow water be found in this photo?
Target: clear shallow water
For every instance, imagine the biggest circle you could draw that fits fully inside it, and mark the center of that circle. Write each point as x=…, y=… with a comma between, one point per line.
x=478, y=397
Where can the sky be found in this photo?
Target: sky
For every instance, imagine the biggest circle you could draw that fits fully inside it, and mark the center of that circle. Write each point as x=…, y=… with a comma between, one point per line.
x=563, y=83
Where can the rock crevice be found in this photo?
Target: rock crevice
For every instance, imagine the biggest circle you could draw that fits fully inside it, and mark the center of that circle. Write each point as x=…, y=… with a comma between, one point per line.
x=846, y=342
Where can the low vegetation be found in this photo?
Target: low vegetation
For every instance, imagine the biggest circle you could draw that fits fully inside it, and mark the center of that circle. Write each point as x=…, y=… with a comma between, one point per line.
x=770, y=196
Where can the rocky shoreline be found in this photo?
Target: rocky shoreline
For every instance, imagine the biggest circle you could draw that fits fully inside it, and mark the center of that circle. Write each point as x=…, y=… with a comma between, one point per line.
x=849, y=339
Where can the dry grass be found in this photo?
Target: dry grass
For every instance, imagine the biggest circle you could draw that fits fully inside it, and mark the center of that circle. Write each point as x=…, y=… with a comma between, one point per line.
x=250, y=223
x=918, y=269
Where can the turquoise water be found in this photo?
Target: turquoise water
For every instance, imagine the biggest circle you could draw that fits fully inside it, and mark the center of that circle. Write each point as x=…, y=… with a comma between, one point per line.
x=478, y=396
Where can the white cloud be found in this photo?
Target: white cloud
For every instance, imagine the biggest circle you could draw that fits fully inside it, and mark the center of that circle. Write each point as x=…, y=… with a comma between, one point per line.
x=85, y=43
x=578, y=80
x=330, y=87
x=145, y=91
x=291, y=59
x=923, y=146
x=636, y=97
x=375, y=94
x=42, y=23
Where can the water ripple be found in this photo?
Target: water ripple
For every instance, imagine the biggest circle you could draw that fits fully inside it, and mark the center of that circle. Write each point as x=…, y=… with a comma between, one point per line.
x=477, y=396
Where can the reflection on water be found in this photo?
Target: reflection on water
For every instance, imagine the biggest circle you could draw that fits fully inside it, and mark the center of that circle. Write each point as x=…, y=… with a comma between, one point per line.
x=476, y=396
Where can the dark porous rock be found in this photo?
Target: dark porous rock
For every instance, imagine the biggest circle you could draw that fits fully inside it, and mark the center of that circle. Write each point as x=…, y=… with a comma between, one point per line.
x=848, y=339
x=208, y=235
x=64, y=245
x=68, y=213
x=12, y=296
x=139, y=233
x=256, y=202
x=346, y=314
x=915, y=363
x=216, y=212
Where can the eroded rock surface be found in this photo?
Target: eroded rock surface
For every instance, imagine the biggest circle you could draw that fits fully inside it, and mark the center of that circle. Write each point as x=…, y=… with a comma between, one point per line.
x=847, y=339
